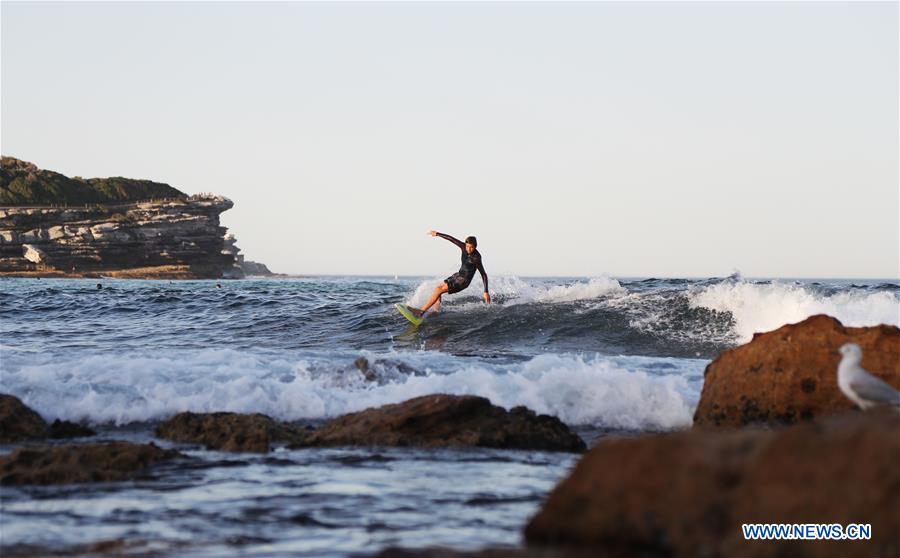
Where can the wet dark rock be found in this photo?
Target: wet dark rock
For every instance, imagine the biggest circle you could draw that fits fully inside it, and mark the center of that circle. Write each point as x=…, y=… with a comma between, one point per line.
x=362, y=364
x=384, y=370
x=80, y=463
x=18, y=422
x=229, y=431
x=790, y=374
x=687, y=493
x=447, y=420
x=65, y=429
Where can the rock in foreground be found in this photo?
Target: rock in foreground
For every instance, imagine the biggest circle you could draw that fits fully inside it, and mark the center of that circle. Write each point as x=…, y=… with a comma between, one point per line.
x=79, y=463
x=498, y=552
x=447, y=420
x=687, y=493
x=228, y=431
x=20, y=423
x=791, y=373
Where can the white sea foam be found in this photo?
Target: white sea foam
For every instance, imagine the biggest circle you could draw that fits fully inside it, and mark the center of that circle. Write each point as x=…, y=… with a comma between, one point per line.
x=514, y=290
x=621, y=392
x=759, y=307
x=754, y=307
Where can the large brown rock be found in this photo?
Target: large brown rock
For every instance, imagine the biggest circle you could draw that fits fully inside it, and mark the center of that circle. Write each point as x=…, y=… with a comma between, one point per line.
x=447, y=420
x=79, y=463
x=497, y=552
x=791, y=373
x=20, y=423
x=228, y=431
x=687, y=493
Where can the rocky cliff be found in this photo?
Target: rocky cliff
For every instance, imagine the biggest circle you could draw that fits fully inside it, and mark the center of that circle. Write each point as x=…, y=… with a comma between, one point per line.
x=54, y=226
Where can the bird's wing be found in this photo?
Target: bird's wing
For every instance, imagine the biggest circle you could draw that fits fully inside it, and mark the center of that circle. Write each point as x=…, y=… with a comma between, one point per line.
x=875, y=389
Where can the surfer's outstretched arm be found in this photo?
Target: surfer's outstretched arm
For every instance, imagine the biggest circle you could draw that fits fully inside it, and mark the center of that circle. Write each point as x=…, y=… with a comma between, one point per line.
x=459, y=243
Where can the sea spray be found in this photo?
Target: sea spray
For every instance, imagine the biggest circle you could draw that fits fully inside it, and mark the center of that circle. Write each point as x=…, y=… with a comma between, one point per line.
x=763, y=306
x=514, y=290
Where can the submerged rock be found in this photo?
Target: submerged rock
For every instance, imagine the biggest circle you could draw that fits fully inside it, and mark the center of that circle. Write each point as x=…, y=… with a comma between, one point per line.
x=791, y=373
x=362, y=364
x=65, y=429
x=228, y=431
x=78, y=463
x=20, y=423
x=447, y=420
x=687, y=493
x=384, y=370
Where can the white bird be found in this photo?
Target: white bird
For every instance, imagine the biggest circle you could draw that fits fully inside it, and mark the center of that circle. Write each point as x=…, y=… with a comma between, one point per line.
x=859, y=386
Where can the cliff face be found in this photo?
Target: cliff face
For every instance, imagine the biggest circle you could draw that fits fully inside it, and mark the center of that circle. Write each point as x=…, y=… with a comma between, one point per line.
x=182, y=237
x=177, y=236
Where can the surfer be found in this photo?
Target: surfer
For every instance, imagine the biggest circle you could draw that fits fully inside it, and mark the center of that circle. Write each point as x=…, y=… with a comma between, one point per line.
x=471, y=261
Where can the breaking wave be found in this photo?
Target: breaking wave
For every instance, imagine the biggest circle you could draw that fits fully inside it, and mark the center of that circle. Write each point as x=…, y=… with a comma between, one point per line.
x=760, y=307
x=622, y=392
x=655, y=317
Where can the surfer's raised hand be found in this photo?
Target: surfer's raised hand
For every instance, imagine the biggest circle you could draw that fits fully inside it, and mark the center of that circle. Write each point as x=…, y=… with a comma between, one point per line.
x=432, y=233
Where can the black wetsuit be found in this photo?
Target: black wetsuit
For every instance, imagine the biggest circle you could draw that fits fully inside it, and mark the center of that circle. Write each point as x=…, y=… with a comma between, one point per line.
x=470, y=262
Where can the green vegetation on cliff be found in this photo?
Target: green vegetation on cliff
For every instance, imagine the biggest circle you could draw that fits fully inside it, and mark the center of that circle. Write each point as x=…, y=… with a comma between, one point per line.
x=22, y=183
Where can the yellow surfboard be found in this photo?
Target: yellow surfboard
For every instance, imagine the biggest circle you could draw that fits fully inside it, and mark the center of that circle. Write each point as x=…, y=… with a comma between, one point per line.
x=407, y=313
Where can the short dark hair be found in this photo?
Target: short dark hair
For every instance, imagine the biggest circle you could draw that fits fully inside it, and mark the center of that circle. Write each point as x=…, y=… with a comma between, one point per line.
x=472, y=240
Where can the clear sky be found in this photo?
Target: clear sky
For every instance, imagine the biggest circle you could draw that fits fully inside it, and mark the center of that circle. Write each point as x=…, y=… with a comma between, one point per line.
x=638, y=139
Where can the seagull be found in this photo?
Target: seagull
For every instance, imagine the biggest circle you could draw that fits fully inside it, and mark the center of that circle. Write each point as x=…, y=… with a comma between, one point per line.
x=859, y=386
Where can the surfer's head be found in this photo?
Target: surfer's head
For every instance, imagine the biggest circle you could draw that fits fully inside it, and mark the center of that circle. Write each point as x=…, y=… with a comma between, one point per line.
x=471, y=244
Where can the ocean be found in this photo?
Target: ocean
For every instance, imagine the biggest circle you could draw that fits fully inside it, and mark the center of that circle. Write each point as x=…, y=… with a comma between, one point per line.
x=605, y=355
